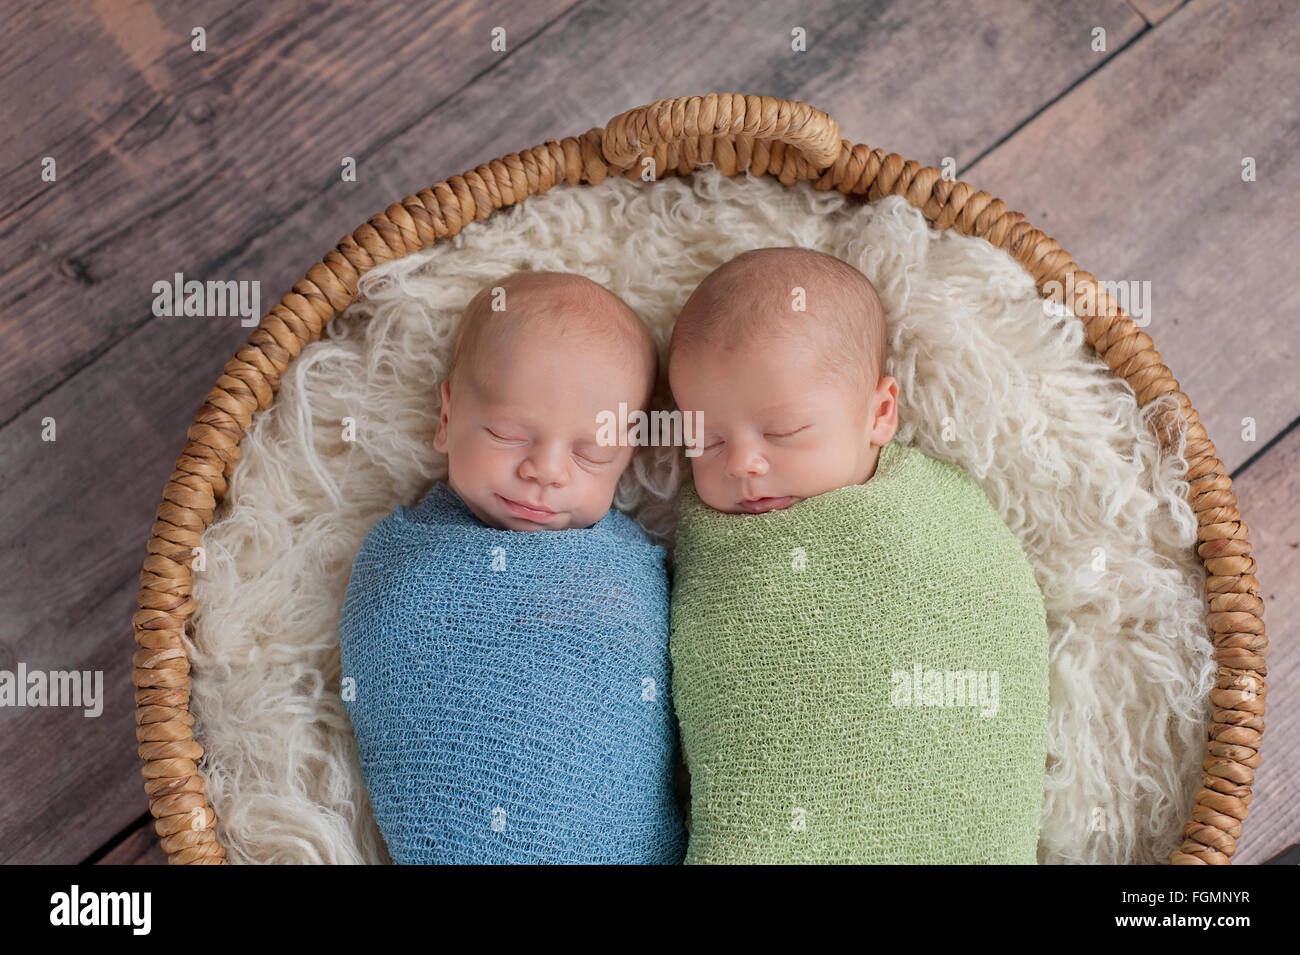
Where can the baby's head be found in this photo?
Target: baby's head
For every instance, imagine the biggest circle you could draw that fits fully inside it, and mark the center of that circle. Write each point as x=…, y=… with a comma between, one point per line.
x=782, y=351
x=538, y=356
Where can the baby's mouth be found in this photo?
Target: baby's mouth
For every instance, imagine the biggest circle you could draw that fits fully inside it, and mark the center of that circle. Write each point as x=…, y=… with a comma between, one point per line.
x=760, y=504
x=526, y=512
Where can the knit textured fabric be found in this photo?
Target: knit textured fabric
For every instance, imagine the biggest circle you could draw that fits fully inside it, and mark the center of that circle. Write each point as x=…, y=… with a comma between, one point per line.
x=834, y=670
x=512, y=699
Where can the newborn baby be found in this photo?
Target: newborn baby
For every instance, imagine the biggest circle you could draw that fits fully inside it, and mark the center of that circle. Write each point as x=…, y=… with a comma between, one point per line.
x=508, y=636
x=859, y=646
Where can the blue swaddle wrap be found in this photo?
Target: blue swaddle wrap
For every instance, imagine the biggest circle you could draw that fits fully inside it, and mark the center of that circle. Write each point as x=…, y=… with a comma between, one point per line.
x=512, y=698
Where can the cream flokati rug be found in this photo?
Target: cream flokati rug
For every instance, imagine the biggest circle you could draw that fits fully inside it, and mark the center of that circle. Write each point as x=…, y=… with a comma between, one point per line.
x=986, y=377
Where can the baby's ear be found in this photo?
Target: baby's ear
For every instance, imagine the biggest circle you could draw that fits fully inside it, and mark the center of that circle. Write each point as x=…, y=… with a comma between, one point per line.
x=885, y=412
x=440, y=436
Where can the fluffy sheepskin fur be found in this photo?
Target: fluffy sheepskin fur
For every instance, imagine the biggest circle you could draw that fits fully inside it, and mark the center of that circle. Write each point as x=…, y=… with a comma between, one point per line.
x=988, y=378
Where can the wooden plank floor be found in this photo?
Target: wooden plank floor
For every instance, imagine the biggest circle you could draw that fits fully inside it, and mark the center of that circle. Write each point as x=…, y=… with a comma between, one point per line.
x=225, y=164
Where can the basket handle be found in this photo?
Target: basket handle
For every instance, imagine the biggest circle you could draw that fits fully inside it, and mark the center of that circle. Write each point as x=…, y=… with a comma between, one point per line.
x=628, y=135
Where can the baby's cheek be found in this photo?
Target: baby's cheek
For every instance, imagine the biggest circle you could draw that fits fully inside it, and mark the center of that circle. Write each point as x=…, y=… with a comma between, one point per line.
x=712, y=495
x=702, y=474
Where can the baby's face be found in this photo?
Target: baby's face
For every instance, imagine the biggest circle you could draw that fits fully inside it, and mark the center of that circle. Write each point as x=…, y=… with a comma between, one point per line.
x=523, y=454
x=771, y=436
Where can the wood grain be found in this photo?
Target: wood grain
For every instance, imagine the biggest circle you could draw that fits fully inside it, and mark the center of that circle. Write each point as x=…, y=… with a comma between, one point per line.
x=141, y=847
x=1269, y=492
x=1137, y=171
x=1153, y=11
x=174, y=160
x=930, y=81
x=67, y=780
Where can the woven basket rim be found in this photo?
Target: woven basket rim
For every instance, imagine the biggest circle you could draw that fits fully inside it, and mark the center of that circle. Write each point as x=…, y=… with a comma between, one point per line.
x=734, y=132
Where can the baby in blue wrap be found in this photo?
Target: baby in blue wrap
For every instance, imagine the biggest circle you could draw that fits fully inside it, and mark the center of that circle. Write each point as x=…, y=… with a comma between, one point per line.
x=508, y=636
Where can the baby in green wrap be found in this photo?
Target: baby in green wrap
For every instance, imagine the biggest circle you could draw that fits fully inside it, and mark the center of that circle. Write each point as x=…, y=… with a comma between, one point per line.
x=859, y=645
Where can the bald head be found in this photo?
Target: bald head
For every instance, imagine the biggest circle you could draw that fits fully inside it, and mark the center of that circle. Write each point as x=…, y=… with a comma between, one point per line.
x=556, y=309
x=755, y=299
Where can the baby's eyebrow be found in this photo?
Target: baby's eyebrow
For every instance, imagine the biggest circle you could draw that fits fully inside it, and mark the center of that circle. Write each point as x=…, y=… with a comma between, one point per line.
x=781, y=408
x=511, y=413
x=790, y=406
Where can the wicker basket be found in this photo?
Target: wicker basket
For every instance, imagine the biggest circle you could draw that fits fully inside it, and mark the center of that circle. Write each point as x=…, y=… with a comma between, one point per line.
x=790, y=141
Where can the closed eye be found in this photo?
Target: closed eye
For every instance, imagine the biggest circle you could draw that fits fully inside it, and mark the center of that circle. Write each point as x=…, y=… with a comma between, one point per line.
x=591, y=460
x=788, y=433
x=500, y=437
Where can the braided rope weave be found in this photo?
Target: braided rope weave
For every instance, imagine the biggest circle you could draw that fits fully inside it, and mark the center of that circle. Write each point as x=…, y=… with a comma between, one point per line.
x=790, y=141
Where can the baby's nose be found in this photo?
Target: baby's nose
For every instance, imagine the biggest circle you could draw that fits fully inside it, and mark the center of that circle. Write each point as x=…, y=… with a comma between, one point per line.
x=745, y=460
x=545, y=465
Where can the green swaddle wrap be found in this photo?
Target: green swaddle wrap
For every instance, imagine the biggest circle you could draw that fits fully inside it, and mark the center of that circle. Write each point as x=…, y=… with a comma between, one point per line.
x=860, y=677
